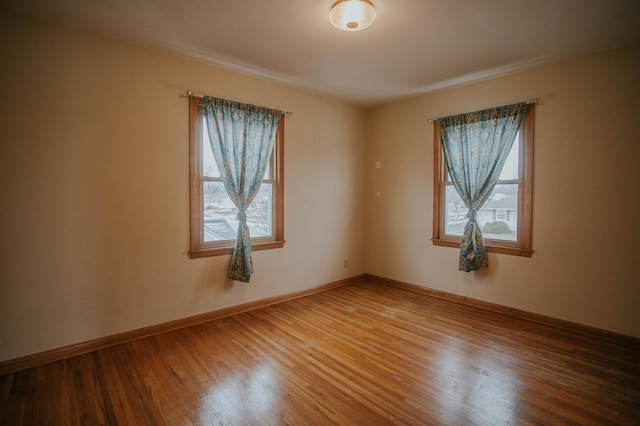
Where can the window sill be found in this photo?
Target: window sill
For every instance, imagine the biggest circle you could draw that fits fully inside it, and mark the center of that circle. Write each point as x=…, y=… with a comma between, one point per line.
x=219, y=251
x=491, y=248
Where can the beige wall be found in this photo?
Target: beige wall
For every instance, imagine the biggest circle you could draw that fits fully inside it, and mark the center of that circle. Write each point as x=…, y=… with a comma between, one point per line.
x=586, y=194
x=94, y=189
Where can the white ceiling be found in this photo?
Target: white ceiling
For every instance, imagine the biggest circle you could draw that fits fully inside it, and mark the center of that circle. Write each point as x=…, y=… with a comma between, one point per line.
x=414, y=46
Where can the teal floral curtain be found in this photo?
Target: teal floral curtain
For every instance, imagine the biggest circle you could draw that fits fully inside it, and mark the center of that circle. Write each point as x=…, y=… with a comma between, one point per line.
x=242, y=139
x=476, y=146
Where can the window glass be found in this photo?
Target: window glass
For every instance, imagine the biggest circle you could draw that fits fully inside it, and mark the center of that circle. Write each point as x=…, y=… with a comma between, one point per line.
x=220, y=221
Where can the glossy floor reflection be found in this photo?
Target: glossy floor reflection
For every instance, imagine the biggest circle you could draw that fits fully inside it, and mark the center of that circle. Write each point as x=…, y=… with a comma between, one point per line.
x=361, y=354
x=231, y=400
x=476, y=382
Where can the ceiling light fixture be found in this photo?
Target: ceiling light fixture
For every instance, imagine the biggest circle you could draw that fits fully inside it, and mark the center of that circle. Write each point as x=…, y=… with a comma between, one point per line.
x=352, y=15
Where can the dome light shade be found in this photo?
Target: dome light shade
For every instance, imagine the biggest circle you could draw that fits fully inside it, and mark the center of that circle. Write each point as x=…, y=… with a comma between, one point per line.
x=352, y=15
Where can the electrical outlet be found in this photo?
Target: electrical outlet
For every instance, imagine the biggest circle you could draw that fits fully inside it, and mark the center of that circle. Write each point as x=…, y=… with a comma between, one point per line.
x=346, y=263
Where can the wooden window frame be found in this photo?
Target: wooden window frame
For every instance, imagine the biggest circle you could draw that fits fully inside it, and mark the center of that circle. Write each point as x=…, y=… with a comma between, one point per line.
x=199, y=248
x=521, y=247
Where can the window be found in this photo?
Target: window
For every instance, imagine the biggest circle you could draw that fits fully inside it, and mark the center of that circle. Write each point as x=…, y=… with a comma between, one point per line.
x=213, y=216
x=505, y=218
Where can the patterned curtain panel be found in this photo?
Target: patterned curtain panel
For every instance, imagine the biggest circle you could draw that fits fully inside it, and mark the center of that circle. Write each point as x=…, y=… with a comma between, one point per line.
x=476, y=146
x=242, y=139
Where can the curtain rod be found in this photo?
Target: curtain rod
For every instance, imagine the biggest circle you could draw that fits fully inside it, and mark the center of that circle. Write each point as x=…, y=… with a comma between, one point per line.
x=191, y=94
x=531, y=102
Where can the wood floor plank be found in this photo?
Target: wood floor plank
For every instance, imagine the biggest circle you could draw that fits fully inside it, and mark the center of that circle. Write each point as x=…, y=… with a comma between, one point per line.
x=362, y=354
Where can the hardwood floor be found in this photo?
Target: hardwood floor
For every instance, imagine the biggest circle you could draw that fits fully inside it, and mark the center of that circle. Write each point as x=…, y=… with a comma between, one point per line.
x=360, y=354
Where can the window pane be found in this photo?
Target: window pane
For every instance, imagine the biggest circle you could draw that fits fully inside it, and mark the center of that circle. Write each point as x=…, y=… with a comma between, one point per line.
x=266, y=174
x=220, y=222
x=511, y=166
x=209, y=167
x=260, y=213
x=455, y=212
x=269, y=173
x=218, y=212
x=499, y=216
